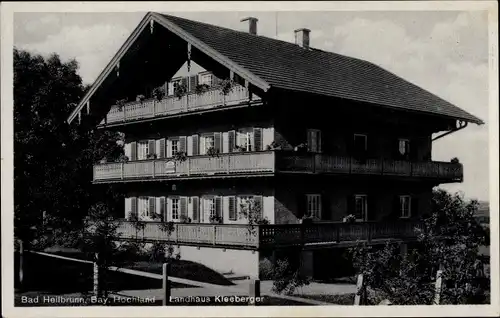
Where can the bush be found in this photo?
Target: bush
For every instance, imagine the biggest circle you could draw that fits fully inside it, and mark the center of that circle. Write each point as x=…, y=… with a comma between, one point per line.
x=266, y=269
x=286, y=280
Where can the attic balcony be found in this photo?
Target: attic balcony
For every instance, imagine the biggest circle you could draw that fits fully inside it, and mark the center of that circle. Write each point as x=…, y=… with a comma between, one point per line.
x=261, y=163
x=316, y=235
x=191, y=102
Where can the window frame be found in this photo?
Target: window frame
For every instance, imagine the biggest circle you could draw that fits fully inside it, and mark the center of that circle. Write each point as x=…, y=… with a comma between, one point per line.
x=364, y=213
x=249, y=139
x=143, y=207
x=407, y=147
x=177, y=144
x=402, y=206
x=206, y=137
x=146, y=149
x=314, y=135
x=203, y=76
x=310, y=202
x=177, y=206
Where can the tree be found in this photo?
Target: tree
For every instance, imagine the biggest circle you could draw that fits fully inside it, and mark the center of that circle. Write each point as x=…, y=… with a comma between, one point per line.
x=53, y=160
x=449, y=239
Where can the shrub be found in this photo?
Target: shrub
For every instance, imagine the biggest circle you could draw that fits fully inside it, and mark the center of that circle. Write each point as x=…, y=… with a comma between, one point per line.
x=266, y=269
x=287, y=280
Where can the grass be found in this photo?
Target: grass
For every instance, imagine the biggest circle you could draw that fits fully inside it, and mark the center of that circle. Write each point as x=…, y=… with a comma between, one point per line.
x=340, y=299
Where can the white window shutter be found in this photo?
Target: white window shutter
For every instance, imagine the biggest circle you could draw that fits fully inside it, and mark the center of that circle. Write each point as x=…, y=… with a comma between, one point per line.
x=189, y=145
x=128, y=208
x=203, y=151
x=128, y=150
x=169, y=148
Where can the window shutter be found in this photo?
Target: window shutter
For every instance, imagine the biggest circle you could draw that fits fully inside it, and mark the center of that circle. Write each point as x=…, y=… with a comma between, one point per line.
x=128, y=208
x=183, y=206
x=133, y=151
x=258, y=205
x=196, y=209
x=231, y=135
x=203, y=149
x=232, y=208
x=310, y=140
x=257, y=136
x=182, y=143
x=193, y=81
x=351, y=206
x=301, y=205
x=127, y=151
x=169, y=148
x=152, y=206
x=196, y=145
x=202, y=210
x=414, y=206
x=163, y=209
x=218, y=206
x=133, y=204
x=162, y=145
x=319, y=141
x=217, y=142
x=396, y=207
x=325, y=207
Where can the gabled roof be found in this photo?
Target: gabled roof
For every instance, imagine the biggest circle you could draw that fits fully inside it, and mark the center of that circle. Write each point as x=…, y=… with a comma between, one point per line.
x=269, y=63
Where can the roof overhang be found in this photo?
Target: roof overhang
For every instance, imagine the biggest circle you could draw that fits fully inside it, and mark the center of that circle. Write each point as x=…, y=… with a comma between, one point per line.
x=149, y=19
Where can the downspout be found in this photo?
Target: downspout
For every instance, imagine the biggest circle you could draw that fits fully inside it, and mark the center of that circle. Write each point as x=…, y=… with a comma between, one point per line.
x=462, y=125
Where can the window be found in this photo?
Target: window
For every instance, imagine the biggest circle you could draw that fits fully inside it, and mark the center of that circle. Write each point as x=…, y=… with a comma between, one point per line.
x=404, y=147
x=209, y=207
x=405, y=206
x=143, y=207
x=207, y=142
x=174, y=146
x=360, y=208
x=244, y=205
x=360, y=143
x=206, y=79
x=175, y=209
x=314, y=140
x=314, y=205
x=245, y=139
x=142, y=150
x=172, y=85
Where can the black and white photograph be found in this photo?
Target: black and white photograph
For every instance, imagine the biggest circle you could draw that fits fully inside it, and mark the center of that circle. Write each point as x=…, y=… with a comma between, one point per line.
x=320, y=158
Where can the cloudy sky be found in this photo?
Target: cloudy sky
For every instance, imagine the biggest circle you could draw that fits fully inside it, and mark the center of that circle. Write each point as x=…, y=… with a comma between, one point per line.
x=445, y=52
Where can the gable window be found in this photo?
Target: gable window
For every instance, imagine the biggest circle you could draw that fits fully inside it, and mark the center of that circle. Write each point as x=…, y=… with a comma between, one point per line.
x=404, y=147
x=314, y=140
x=172, y=86
x=405, y=206
x=175, y=209
x=360, y=207
x=245, y=139
x=314, y=205
x=206, y=79
x=142, y=150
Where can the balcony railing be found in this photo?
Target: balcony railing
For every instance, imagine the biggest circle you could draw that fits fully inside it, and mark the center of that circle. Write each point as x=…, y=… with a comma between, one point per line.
x=321, y=163
x=223, y=164
x=270, y=235
x=172, y=105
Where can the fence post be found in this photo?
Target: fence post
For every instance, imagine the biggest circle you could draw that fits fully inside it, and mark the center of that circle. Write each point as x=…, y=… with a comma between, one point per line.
x=359, y=291
x=21, y=263
x=97, y=277
x=166, y=284
x=254, y=290
x=439, y=282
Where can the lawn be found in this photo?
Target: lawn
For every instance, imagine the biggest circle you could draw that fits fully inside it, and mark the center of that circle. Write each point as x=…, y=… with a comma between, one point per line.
x=340, y=299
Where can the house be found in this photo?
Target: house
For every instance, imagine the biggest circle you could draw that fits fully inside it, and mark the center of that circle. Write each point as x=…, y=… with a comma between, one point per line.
x=226, y=128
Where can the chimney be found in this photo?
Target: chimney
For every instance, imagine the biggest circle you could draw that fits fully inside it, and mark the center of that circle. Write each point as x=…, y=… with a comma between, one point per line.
x=302, y=37
x=252, y=24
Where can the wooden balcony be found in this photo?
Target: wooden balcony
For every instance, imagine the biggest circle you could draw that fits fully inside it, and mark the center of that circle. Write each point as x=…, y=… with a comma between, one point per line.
x=327, y=164
x=172, y=105
x=269, y=236
x=195, y=166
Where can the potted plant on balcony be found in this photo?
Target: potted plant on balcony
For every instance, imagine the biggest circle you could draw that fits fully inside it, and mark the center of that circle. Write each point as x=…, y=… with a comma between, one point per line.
x=275, y=146
x=120, y=103
x=180, y=156
x=454, y=160
x=123, y=158
x=151, y=156
x=301, y=148
x=201, y=88
x=226, y=86
x=212, y=152
x=180, y=90
x=351, y=218
x=238, y=148
x=215, y=219
x=140, y=98
x=185, y=219
x=158, y=93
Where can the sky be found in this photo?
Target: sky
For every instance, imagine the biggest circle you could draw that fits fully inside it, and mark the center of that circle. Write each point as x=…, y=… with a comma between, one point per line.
x=444, y=52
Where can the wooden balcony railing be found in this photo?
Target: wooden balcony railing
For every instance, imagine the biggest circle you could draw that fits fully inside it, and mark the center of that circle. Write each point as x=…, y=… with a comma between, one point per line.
x=173, y=105
x=322, y=163
x=258, y=236
x=223, y=164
